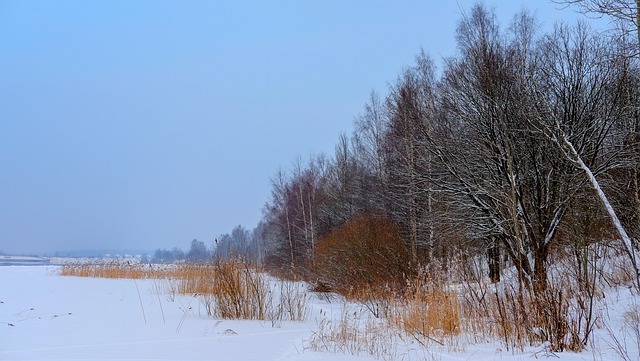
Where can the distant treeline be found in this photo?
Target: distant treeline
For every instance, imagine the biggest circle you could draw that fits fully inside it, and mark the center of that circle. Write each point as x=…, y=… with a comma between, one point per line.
x=239, y=244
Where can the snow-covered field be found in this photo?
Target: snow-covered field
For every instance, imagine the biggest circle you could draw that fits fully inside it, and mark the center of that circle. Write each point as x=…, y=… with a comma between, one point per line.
x=44, y=316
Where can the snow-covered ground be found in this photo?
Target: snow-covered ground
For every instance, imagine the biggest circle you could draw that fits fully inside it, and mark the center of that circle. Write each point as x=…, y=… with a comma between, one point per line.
x=44, y=316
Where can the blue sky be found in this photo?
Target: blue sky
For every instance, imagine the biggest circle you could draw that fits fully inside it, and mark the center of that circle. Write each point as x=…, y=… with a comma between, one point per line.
x=146, y=124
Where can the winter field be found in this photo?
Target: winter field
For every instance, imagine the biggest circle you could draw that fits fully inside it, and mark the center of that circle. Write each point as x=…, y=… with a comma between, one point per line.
x=47, y=316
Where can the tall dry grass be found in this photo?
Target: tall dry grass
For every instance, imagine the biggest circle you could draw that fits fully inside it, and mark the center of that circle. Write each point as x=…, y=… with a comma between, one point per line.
x=427, y=313
x=229, y=290
x=560, y=317
x=116, y=270
x=446, y=305
x=356, y=333
x=241, y=292
x=625, y=342
x=192, y=279
x=456, y=304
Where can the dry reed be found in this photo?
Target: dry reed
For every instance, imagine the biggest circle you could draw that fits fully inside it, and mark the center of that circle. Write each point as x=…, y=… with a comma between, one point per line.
x=355, y=333
x=229, y=290
x=116, y=270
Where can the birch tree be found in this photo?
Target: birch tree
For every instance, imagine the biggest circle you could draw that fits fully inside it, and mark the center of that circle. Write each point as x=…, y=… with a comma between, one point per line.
x=408, y=110
x=369, y=151
x=579, y=89
x=624, y=13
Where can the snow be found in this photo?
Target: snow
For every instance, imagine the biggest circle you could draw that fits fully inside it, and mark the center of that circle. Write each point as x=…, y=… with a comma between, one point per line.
x=44, y=316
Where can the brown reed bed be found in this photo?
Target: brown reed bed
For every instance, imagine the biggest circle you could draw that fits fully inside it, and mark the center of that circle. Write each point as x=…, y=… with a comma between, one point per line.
x=229, y=290
x=117, y=270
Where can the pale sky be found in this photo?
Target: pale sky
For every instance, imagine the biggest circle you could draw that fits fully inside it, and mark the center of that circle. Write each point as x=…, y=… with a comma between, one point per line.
x=146, y=124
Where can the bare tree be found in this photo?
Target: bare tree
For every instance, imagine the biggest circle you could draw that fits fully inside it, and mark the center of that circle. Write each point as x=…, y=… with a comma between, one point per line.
x=198, y=252
x=369, y=150
x=480, y=143
x=624, y=12
x=279, y=223
x=502, y=172
x=581, y=89
x=402, y=157
x=341, y=188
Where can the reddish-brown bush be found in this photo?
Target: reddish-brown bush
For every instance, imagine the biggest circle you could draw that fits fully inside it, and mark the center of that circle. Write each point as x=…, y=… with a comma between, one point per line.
x=364, y=254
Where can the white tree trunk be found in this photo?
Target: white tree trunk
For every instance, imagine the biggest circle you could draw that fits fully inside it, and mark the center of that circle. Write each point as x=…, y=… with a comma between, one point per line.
x=628, y=244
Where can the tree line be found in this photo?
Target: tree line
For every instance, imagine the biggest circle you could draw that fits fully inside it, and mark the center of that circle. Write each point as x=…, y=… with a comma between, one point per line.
x=239, y=244
x=524, y=145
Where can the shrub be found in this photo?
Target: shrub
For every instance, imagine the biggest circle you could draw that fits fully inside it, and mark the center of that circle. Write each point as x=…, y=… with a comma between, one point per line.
x=364, y=254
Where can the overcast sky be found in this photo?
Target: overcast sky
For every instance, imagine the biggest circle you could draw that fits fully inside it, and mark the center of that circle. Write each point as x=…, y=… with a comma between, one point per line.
x=146, y=124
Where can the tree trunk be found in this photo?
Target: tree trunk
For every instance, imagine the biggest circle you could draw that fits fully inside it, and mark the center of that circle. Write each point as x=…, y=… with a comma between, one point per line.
x=493, y=255
x=290, y=236
x=626, y=241
x=540, y=270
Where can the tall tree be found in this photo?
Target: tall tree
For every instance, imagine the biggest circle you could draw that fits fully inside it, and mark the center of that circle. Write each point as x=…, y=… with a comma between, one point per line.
x=369, y=151
x=624, y=12
x=581, y=88
x=198, y=252
x=412, y=110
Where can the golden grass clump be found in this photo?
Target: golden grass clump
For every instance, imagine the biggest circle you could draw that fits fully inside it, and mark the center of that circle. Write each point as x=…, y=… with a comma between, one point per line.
x=239, y=292
x=427, y=313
